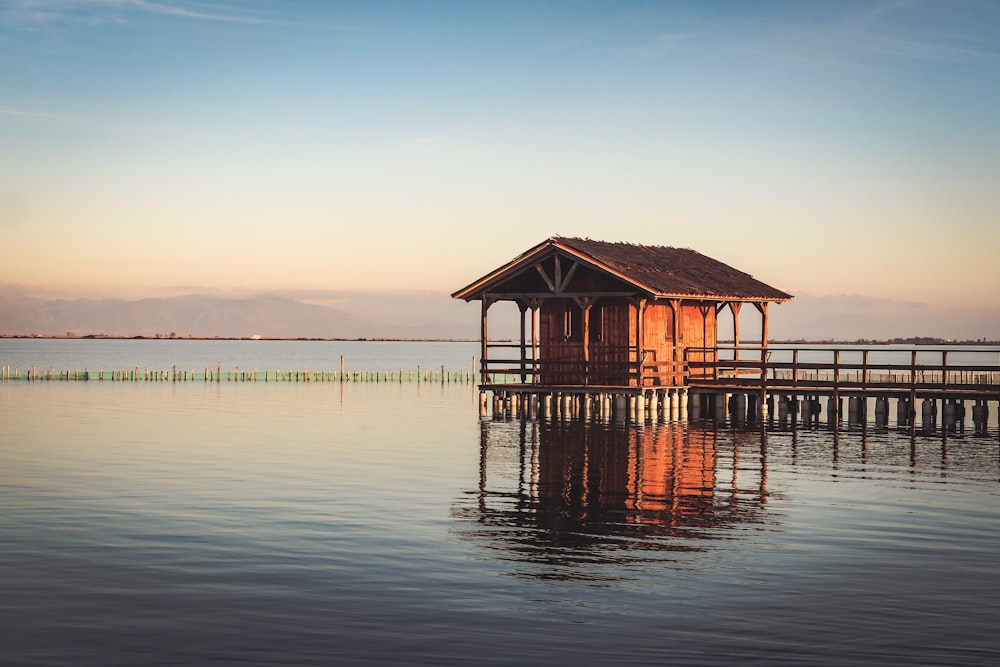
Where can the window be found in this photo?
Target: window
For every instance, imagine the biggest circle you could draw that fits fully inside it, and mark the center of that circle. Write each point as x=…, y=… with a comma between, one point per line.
x=573, y=322
x=596, y=322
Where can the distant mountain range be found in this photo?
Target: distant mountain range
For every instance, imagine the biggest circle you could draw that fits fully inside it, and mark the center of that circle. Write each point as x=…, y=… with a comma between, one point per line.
x=433, y=315
x=361, y=315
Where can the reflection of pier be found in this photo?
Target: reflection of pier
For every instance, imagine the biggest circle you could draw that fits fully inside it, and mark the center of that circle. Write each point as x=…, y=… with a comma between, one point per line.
x=578, y=494
x=603, y=492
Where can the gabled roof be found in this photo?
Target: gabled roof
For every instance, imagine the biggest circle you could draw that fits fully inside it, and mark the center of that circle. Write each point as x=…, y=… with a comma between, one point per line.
x=659, y=271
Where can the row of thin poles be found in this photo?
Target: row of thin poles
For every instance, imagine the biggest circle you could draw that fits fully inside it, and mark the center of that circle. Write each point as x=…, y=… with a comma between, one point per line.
x=217, y=374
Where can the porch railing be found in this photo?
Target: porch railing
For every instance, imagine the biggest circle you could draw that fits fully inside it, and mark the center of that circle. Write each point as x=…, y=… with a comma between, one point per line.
x=844, y=367
x=505, y=365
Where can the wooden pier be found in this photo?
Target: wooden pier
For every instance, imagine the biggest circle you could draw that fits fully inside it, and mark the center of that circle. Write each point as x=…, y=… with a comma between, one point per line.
x=631, y=332
x=925, y=385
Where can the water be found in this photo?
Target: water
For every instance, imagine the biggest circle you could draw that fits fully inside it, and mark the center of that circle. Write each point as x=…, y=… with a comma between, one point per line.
x=320, y=523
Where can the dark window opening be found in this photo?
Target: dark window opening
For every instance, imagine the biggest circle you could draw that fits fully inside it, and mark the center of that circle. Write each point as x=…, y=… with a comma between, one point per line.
x=573, y=322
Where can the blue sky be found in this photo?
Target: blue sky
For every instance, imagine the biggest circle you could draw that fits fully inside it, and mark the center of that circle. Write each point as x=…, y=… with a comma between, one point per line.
x=825, y=147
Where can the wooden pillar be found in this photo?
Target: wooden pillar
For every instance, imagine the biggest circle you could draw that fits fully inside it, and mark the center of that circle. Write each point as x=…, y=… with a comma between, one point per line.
x=735, y=307
x=640, y=316
x=486, y=303
x=762, y=309
x=675, y=307
x=523, y=307
x=586, y=303
x=533, y=304
x=705, y=310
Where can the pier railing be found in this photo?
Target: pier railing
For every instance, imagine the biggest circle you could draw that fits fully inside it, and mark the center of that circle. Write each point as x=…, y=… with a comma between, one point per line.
x=618, y=367
x=846, y=368
x=756, y=367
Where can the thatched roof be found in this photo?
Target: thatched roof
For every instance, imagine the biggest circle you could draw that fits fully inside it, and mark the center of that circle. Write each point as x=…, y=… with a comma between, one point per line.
x=659, y=271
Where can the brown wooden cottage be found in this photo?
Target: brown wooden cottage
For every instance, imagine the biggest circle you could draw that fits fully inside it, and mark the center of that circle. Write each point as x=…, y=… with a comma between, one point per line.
x=620, y=316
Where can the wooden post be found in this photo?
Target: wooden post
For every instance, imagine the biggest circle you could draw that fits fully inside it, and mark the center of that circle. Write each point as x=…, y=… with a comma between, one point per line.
x=523, y=307
x=705, y=310
x=675, y=307
x=586, y=303
x=762, y=309
x=533, y=303
x=734, y=307
x=486, y=302
x=835, y=404
x=640, y=337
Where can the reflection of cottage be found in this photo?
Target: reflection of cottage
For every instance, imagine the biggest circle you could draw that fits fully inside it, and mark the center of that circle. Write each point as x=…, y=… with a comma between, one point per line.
x=618, y=315
x=578, y=495
x=662, y=476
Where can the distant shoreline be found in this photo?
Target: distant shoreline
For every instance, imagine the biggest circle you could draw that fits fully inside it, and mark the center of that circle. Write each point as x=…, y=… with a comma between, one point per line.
x=800, y=341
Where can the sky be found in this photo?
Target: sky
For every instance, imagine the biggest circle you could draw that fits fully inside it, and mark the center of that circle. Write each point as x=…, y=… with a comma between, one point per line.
x=150, y=147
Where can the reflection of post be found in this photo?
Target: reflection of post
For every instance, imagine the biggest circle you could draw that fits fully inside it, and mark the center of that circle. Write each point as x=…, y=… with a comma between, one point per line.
x=763, y=466
x=484, y=436
x=522, y=443
x=734, y=498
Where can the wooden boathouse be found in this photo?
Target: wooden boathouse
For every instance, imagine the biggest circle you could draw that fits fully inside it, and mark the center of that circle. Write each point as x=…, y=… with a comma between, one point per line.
x=610, y=320
x=625, y=329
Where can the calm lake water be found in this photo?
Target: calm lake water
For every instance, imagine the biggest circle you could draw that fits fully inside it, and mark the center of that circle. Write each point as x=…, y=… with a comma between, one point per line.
x=369, y=524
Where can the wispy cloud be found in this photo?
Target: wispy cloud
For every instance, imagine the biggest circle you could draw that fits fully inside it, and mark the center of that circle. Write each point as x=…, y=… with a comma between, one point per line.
x=32, y=113
x=658, y=47
x=905, y=31
x=49, y=12
x=183, y=12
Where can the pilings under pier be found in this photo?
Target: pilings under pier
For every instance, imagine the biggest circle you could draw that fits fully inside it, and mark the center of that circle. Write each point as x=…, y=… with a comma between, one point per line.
x=667, y=404
x=683, y=403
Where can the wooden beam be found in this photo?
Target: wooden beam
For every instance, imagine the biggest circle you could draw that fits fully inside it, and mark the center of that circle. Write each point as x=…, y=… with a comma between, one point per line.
x=569, y=276
x=545, y=277
x=558, y=282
